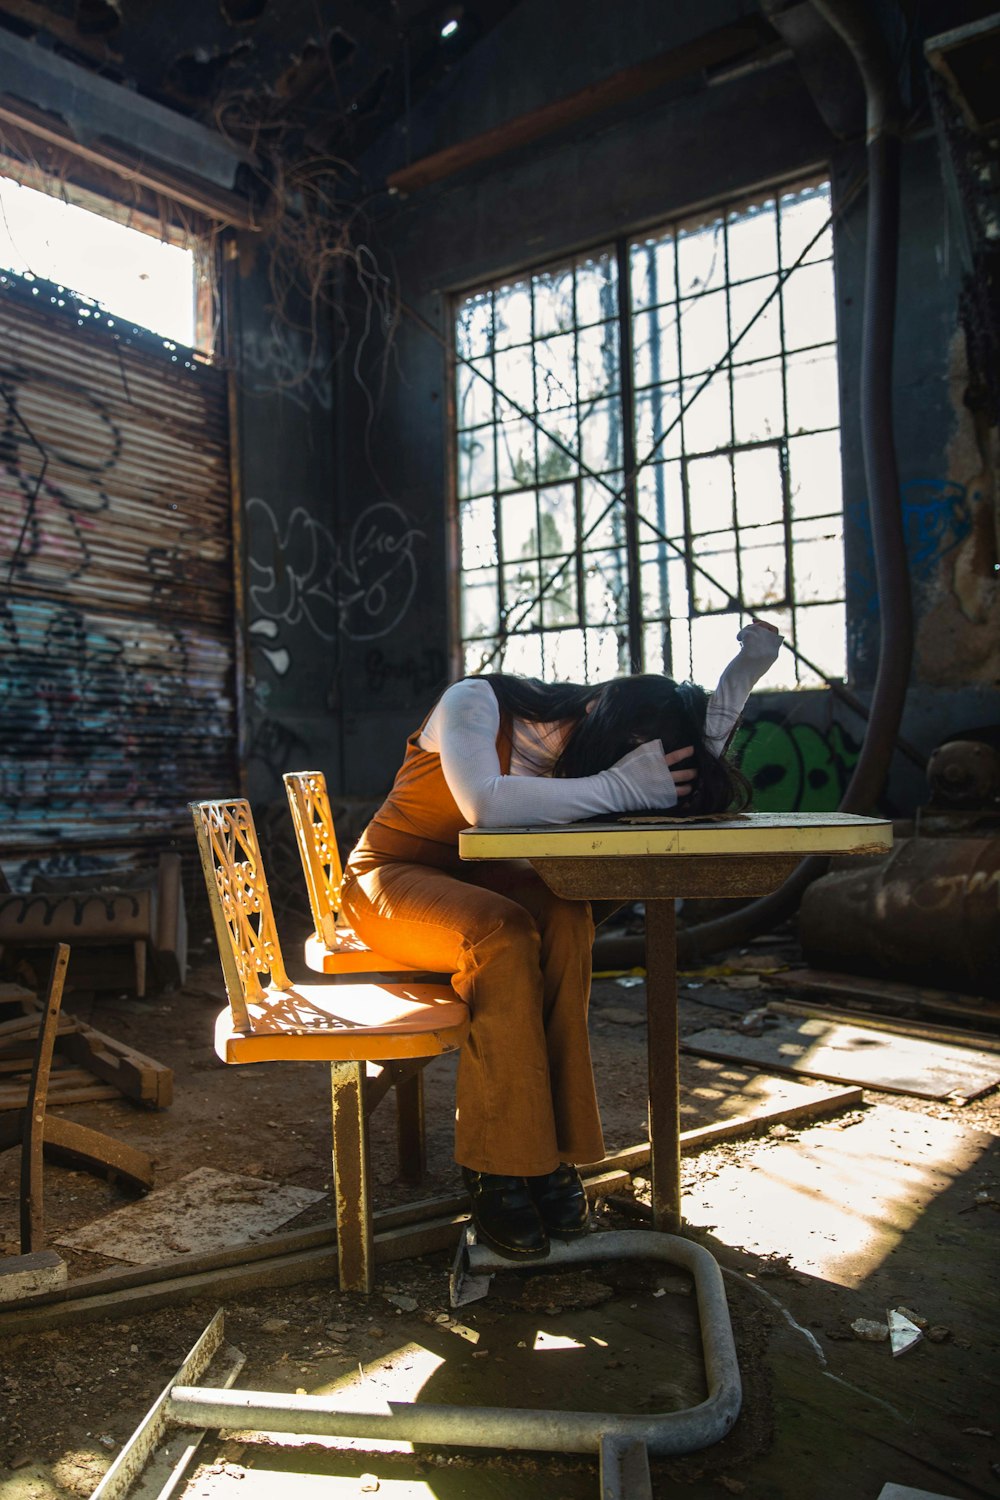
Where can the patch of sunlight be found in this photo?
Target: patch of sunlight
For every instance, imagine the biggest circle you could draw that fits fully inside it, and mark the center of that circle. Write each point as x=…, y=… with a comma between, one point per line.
x=130, y=274
x=544, y=1342
x=837, y=1202
x=376, y=1387
x=265, y=1484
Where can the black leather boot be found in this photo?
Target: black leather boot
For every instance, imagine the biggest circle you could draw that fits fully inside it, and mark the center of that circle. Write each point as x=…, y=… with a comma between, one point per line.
x=505, y=1216
x=561, y=1199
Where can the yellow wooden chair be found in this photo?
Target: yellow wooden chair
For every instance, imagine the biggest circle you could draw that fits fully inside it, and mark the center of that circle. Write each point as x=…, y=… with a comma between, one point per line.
x=334, y=947
x=350, y=1025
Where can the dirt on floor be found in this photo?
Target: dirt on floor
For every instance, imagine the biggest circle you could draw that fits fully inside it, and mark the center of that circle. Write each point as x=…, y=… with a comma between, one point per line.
x=72, y=1395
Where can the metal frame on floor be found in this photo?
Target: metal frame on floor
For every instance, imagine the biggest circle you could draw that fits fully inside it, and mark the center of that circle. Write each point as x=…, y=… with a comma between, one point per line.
x=623, y=1442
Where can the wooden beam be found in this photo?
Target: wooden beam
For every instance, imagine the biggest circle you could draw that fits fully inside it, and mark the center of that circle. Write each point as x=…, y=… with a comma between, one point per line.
x=721, y=46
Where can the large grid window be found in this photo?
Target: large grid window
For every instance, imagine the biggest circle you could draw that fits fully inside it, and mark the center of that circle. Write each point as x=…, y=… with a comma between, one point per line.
x=648, y=447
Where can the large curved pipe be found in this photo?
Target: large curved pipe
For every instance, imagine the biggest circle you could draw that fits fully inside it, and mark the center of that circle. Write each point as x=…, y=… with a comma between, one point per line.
x=854, y=24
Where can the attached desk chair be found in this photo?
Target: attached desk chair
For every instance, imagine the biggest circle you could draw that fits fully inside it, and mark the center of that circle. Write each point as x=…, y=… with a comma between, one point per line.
x=350, y=1025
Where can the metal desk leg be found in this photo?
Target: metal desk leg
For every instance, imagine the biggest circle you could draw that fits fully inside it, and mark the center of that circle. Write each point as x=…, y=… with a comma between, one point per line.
x=664, y=1073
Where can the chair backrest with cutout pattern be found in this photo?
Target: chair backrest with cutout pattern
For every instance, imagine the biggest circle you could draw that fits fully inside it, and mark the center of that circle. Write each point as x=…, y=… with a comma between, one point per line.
x=317, y=841
x=241, y=904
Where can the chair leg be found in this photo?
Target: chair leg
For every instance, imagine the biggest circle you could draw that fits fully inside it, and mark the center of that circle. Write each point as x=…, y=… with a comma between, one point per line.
x=33, y=1139
x=352, y=1206
x=411, y=1139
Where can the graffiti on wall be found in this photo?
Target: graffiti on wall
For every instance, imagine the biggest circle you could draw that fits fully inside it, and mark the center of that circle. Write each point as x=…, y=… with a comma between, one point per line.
x=794, y=767
x=360, y=588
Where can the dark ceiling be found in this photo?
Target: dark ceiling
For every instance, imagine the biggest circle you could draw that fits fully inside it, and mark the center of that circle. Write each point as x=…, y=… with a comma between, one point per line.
x=326, y=76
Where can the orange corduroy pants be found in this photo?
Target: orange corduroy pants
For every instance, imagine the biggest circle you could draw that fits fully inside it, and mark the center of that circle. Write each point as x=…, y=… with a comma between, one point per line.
x=520, y=958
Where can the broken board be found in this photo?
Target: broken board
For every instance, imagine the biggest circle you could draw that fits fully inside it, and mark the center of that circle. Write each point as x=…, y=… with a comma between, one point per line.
x=854, y=1054
x=206, y=1210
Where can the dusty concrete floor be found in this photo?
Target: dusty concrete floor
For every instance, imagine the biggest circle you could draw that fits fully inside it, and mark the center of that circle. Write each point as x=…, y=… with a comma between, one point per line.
x=893, y=1203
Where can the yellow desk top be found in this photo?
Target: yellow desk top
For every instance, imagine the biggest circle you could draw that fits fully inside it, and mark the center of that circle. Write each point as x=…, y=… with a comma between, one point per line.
x=748, y=833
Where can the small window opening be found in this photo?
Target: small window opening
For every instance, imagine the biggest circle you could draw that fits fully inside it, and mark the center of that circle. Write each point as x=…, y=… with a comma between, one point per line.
x=131, y=274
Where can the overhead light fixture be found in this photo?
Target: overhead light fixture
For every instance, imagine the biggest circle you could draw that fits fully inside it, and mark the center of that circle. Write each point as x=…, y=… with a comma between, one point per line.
x=450, y=20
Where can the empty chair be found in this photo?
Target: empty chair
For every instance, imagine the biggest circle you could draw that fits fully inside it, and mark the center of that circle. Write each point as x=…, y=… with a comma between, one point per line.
x=350, y=1025
x=334, y=947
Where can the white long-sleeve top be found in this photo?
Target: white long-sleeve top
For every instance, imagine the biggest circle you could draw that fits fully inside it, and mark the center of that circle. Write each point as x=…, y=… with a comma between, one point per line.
x=463, y=730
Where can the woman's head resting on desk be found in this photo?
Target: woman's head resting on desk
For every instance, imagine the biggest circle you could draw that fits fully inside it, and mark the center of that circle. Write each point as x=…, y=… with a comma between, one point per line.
x=605, y=721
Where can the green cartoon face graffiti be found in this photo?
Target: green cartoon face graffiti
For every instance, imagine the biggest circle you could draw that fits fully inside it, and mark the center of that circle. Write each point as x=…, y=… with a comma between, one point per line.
x=794, y=767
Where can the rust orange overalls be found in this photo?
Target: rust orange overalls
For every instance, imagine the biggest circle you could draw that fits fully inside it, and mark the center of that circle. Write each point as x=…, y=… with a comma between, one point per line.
x=520, y=958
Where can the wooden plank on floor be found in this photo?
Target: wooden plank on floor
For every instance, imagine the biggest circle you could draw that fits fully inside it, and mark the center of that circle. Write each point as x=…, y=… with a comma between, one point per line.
x=853, y=1054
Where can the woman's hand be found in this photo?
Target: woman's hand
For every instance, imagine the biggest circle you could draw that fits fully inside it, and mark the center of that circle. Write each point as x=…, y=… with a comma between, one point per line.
x=682, y=779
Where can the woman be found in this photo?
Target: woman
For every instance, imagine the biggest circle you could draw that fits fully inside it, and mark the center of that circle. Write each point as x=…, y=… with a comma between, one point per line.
x=500, y=750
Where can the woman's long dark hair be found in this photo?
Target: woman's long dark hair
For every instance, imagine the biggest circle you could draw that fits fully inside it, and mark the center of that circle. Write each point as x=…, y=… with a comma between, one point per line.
x=622, y=714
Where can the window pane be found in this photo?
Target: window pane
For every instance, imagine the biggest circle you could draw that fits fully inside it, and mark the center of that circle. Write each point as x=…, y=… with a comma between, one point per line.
x=653, y=272
x=557, y=445
x=810, y=313
x=701, y=259
x=515, y=455
x=522, y=654
x=475, y=462
x=759, y=497
x=597, y=360
x=680, y=650
x=817, y=562
x=713, y=646
x=657, y=423
x=479, y=547
x=566, y=656
x=655, y=649
x=814, y=475
x=822, y=637
x=710, y=494
x=713, y=577
x=480, y=610
x=597, y=288
x=655, y=346
x=664, y=581
x=753, y=242
x=605, y=581
x=704, y=332
x=763, y=336
x=553, y=301
x=660, y=500
x=813, y=400
x=559, y=602
x=763, y=572
x=555, y=372
x=514, y=377
x=803, y=216
x=557, y=519
x=601, y=435
x=474, y=326
x=758, y=402
x=707, y=423
x=474, y=396
x=519, y=525
x=607, y=654
x=521, y=596
x=602, y=512
x=512, y=315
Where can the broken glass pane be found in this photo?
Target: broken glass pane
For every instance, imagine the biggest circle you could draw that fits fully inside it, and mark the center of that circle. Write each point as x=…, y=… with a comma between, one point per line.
x=474, y=326
x=522, y=654
x=479, y=543
x=565, y=656
x=555, y=372
x=605, y=587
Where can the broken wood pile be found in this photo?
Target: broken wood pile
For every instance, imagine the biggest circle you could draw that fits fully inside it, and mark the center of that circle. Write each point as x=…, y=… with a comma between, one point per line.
x=87, y=1064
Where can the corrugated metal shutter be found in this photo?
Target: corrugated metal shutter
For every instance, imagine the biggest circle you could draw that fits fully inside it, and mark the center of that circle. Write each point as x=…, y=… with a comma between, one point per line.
x=116, y=592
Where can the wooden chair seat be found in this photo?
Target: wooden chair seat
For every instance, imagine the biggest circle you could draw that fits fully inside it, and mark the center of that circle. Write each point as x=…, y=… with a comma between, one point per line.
x=359, y=1027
